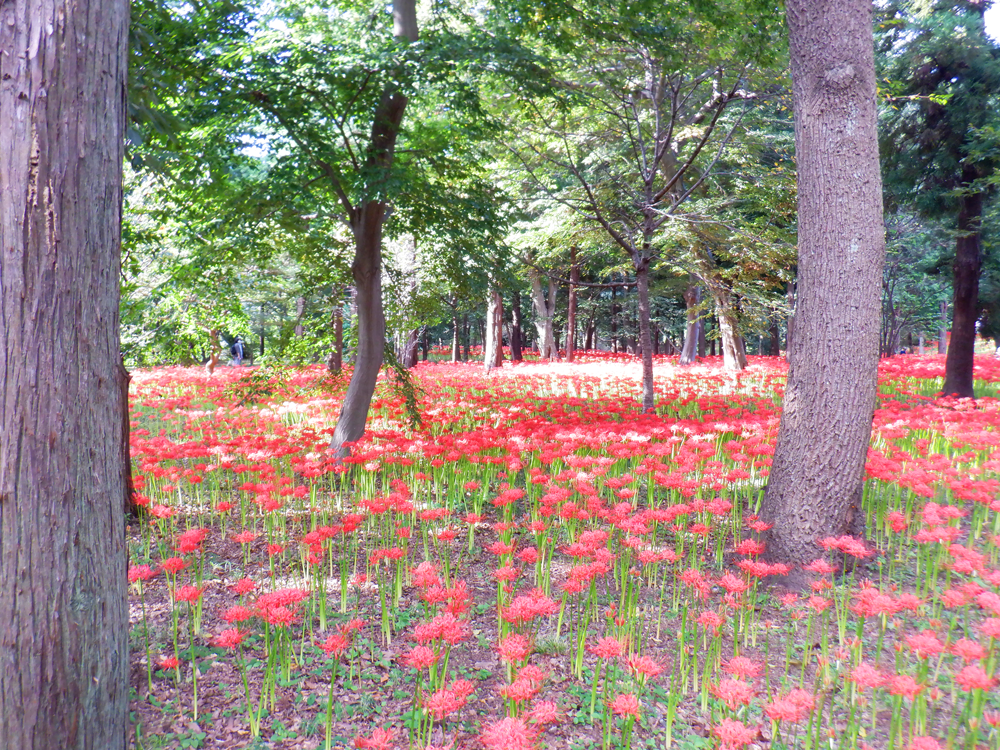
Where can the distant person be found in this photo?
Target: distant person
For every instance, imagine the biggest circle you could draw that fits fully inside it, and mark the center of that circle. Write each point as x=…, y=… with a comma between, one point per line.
x=237, y=351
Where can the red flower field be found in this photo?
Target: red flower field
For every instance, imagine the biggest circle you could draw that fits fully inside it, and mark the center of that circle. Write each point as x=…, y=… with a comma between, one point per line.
x=538, y=564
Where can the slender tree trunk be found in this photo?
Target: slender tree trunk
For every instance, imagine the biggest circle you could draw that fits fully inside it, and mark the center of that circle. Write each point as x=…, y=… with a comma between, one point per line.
x=335, y=363
x=958, y=367
x=300, y=311
x=456, y=339
x=645, y=339
x=817, y=474
x=544, y=310
x=574, y=278
x=214, y=351
x=425, y=345
x=692, y=297
x=366, y=225
x=515, y=328
x=409, y=359
x=466, y=335
x=493, y=345
x=614, y=320
x=63, y=607
x=775, y=335
x=367, y=273
x=943, y=328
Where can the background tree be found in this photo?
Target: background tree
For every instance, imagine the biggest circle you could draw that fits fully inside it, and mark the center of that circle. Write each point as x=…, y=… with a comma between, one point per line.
x=817, y=474
x=942, y=141
x=63, y=613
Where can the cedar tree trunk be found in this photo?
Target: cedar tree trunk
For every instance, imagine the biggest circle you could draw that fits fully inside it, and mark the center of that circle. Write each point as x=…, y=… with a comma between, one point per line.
x=63, y=608
x=816, y=478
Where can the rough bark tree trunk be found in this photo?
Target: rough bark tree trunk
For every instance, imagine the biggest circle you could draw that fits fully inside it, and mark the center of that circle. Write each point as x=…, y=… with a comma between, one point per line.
x=817, y=474
x=63, y=608
x=775, y=335
x=958, y=366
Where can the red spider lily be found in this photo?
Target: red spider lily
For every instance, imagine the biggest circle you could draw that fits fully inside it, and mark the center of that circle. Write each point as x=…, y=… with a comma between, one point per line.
x=925, y=644
x=380, y=739
x=796, y=706
x=734, y=734
x=509, y=733
x=515, y=648
x=968, y=649
x=974, y=677
x=189, y=594
x=626, y=704
x=608, y=647
x=421, y=657
x=140, y=573
x=741, y=666
x=733, y=692
x=229, y=638
x=905, y=685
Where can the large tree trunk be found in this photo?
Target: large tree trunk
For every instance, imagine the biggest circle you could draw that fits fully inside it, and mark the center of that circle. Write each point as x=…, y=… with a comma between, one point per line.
x=574, y=278
x=63, y=608
x=775, y=335
x=968, y=263
x=645, y=338
x=366, y=225
x=689, y=351
x=818, y=468
x=493, y=345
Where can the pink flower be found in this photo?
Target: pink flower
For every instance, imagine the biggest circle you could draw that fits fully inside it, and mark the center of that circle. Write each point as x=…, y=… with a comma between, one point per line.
x=734, y=693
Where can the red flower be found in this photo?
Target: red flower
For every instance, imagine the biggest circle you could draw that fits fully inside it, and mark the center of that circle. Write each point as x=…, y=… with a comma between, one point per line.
x=974, y=677
x=229, y=638
x=735, y=734
x=608, y=648
x=734, y=693
x=509, y=734
x=381, y=739
x=189, y=594
x=626, y=704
